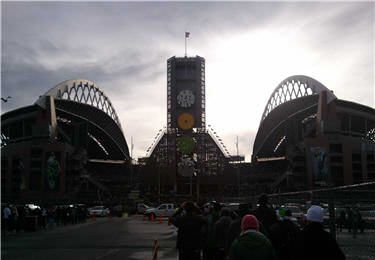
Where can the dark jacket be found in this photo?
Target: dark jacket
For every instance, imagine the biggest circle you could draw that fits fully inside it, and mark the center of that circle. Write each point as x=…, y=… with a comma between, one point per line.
x=266, y=215
x=252, y=245
x=313, y=242
x=283, y=236
x=221, y=230
x=189, y=231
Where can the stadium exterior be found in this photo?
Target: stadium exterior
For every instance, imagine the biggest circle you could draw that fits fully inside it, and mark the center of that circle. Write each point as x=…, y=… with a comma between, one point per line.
x=68, y=146
x=308, y=138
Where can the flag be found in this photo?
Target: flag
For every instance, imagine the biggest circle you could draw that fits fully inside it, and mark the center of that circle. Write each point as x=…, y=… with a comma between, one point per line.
x=187, y=34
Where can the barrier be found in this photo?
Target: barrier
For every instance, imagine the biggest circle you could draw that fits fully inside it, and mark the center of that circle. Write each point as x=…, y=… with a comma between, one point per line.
x=155, y=250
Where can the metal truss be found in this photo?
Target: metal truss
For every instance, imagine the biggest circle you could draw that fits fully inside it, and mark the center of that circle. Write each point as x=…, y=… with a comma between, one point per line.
x=294, y=87
x=370, y=136
x=83, y=91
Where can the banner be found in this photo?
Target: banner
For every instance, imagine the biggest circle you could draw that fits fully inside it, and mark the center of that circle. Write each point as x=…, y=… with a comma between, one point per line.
x=53, y=171
x=319, y=165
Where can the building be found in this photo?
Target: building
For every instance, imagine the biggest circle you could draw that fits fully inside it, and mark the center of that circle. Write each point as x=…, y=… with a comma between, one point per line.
x=187, y=158
x=67, y=147
x=308, y=139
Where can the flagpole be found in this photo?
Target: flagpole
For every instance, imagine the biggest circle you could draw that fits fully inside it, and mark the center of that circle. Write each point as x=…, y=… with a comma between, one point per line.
x=185, y=45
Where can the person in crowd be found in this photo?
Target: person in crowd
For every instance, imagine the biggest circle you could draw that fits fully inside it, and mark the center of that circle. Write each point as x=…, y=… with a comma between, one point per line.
x=6, y=218
x=341, y=220
x=221, y=229
x=349, y=220
x=189, y=224
x=21, y=218
x=264, y=213
x=209, y=243
x=313, y=242
x=43, y=218
x=283, y=235
x=235, y=226
x=251, y=244
x=14, y=218
x=357, y=221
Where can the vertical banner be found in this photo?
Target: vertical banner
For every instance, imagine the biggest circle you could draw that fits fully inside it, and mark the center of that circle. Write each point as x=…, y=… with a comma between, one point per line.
x=319, y=165
x=53, y=171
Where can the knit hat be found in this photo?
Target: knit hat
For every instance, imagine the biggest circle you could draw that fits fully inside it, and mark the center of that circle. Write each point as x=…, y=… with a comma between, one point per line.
x=249, y=222
x=315, y=214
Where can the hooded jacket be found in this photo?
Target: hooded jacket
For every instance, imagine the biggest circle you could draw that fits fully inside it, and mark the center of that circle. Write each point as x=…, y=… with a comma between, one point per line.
x=252, y=245
x=313, y=242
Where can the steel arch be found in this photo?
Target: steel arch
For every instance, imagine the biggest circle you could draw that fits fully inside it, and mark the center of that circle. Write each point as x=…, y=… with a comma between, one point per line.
x=82, y=91
x=294, y=87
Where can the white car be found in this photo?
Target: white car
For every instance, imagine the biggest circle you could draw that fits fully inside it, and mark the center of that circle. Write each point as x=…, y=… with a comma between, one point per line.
x=141, y=208
x=99, y=211
x=163, y=210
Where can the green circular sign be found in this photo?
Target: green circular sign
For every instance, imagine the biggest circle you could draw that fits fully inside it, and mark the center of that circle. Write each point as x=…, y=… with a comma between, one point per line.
x=186, y=145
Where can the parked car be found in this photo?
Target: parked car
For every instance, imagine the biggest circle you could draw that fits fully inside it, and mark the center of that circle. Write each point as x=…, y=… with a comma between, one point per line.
x=99, y=211
x=141, y=208
x=162, y=210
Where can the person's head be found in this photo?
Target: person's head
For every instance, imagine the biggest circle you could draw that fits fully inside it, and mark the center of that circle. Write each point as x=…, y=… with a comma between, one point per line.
x=243, y=209
x=217, y=206
x=263, y=200
x=315, y=214
x=249, y=222
x=188, y=206
x=207, y=208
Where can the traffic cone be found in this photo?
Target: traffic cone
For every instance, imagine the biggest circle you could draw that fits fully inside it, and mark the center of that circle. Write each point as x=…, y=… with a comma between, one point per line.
x=169, y=222
x=110, y=216
x=160, y=219
x=93, y=218
x=152, y=217
x=144, y=217
x=136, y=215
x=155, y=250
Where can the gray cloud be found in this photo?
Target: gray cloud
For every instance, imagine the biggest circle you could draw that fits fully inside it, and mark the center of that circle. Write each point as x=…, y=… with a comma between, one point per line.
x=123, y=46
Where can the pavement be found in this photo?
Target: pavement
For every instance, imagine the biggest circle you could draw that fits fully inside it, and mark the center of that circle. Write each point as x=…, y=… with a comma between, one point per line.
x=362, y=247
x=130, y=238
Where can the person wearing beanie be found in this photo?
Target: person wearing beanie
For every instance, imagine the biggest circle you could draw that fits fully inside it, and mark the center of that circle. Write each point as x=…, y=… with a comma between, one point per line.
x=313, y=242
x=251, y=244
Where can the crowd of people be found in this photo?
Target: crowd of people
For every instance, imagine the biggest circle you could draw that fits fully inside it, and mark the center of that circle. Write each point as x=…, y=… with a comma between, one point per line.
x=217, y=233
x=17, y=218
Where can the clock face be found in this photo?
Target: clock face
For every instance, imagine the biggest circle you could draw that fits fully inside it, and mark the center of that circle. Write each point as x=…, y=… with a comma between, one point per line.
x=185, y=98
x=185, y=121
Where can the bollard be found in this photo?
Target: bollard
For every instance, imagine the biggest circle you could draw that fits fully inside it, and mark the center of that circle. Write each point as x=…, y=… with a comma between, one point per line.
x=155, y=250
x=160, y=220
x=152, y=217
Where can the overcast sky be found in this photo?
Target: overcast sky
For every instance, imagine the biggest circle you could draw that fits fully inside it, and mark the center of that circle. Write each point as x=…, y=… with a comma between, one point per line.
x=249, y=47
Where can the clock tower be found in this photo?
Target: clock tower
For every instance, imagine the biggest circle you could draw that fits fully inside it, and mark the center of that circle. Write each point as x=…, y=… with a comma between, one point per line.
x=186, y=107
x=186, y=157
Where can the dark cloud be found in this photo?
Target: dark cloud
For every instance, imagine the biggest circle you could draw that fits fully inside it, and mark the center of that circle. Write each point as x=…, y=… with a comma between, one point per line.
x=123, y=47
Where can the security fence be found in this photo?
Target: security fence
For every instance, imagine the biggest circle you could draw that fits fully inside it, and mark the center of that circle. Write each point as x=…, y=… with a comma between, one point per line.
x=349, y=214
